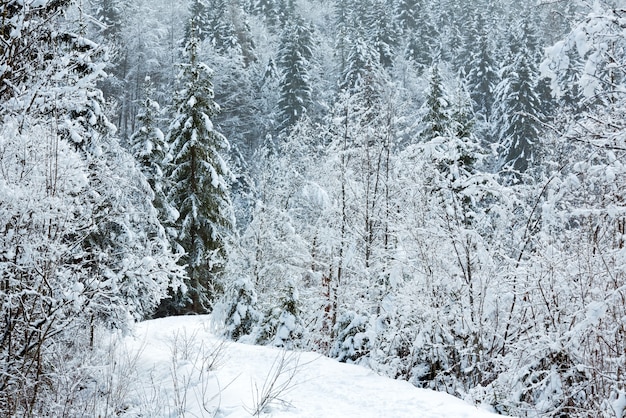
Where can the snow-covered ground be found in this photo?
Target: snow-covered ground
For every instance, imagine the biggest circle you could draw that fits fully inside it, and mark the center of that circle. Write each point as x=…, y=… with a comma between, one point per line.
x=177, y=367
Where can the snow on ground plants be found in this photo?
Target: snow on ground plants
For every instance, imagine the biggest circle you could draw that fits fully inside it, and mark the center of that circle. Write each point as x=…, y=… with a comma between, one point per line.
x=177, y=367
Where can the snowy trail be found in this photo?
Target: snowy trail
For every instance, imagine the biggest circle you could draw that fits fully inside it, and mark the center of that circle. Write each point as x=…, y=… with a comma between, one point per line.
x=171, y=379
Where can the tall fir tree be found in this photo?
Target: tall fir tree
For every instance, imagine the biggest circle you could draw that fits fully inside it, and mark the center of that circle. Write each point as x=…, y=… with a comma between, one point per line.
x=199, y=186
x=221, y=30
x=437, y=107
x=362, y=62
x=148, y=147
x=199, y=24
x=383, y=32
x=519, y=113
x=422, y=45
x=482, y=77
x=268, y=10
x=296, y=52
x=408, y=14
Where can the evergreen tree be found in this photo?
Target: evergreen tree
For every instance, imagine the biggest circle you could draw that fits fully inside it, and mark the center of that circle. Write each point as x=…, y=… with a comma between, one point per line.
x=222, y=32
x=482, y=76
x=199, y=191
x=287, y=11
x=282, y=325
x=294, y=62
x=268, y=10
x=519, y=111
x=361, y=66
x=240, y=310
x=354, y=337
x=200, y=22
x=408, y=15
x=343, y=11
x=422, y=44
x=148, y=147
x=437, y=107
x=382, y=32
x=341, y=20
x=237, y=93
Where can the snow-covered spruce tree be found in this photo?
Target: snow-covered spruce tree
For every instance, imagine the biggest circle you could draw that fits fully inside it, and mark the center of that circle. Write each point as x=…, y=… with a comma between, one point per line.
x=408, y=14
x=199, y=24
x=482, y=75
x=354, y=337
x=269, y=11
x=420, y=36
x=382, y=31
x=222, y=32
x=148, y=147
x=518, y=114
x=361, y=70
x=199, y=180
x=294, y=62
x=342, y=12
x=437, y=108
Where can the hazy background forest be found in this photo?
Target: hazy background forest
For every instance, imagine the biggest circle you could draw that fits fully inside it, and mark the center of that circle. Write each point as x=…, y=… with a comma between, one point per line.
x=432, y=189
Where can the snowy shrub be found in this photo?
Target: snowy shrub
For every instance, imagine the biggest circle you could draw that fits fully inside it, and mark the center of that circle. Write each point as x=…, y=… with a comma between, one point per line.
x=392, y=352
x=354, y=337
x=238, y=310
x=282, y=326
x=554, y=384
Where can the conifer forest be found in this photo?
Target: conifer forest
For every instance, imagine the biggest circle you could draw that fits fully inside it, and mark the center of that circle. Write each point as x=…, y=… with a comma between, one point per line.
x=433, y=189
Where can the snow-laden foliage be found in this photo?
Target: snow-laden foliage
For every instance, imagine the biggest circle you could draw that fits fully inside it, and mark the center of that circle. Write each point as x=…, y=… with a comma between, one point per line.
x=83, y=248
x=55, y=286
x=26, y=33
